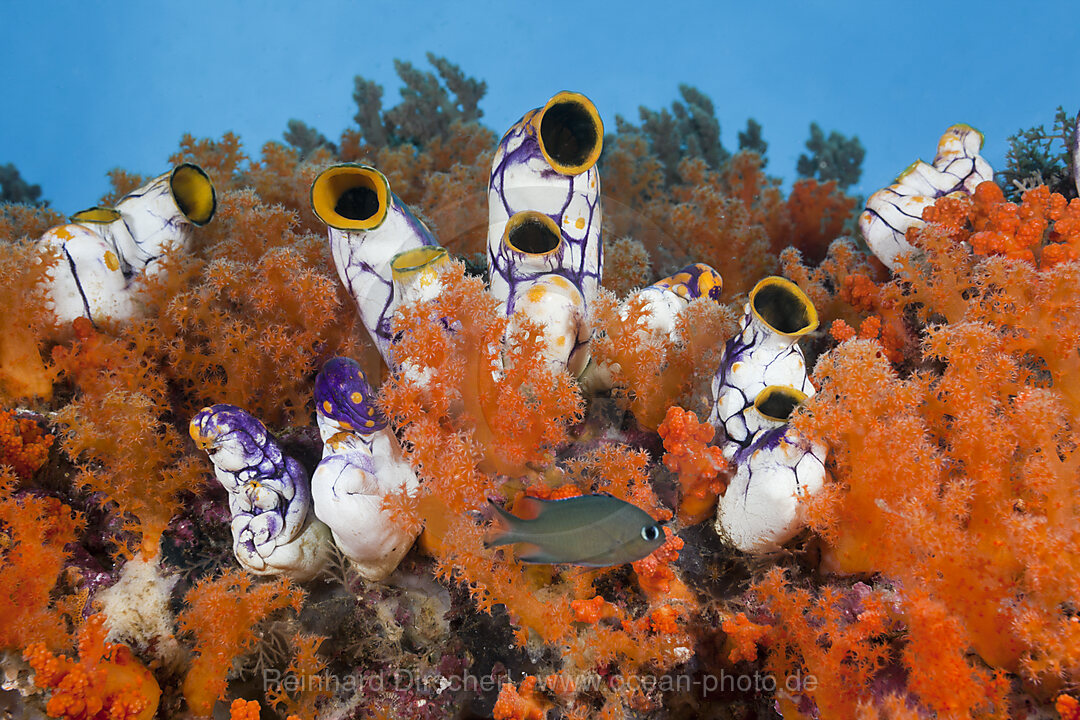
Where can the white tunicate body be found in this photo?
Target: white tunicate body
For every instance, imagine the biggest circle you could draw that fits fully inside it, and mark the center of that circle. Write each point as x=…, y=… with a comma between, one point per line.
x=362, y=259
x=349, y=488
x=523, y=180
x=559, y=307
x=759, y=357
x=957, y=170
x=88, y=281
x=761, y=510
x=152, y=224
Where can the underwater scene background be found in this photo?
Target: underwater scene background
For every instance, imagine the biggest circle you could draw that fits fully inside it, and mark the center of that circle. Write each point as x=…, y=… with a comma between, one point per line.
x=659, y=378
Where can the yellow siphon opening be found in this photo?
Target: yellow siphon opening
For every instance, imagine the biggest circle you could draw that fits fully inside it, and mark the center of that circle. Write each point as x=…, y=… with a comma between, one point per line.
x=783, y=306
x=194, y=193
x=351, y=197
x=777, y=402
x=532, y=233
x=570, y=132
x=95, y=216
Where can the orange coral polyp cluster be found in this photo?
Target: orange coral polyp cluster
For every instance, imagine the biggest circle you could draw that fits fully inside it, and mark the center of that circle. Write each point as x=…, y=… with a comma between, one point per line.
x=969, y=465
x=106, y=682
x=24, y=446
x=524, y=703
x=1043, y=229
x=698, y=466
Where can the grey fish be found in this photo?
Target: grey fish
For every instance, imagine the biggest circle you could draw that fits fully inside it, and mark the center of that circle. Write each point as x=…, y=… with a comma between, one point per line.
x=596, y=530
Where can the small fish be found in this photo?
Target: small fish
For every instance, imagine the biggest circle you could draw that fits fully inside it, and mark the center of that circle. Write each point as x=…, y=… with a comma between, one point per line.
x=596, y=530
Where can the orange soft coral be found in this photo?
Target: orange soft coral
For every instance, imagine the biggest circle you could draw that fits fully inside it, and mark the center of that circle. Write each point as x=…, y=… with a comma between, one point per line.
x=34, y=535
x=267, y=311
x=969, y=466
x=1067, y=707
x=1043, y=229
x=654, y=573
x=837, y=641
x=223, y=160
x=25, y=321
x=106, y=683
x=545, y=604
x=719, y=230
x=818, y=212
x=24, y=447
x=699, y=468
x=515, y=408
x=223, y=614
x=657, y=372
x=126, y=453
x=307, y=666
x=626, y=266
x=241, y=709
x=743, y=637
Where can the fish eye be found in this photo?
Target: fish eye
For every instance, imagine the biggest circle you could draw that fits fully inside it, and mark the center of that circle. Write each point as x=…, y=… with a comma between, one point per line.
x=650, y=533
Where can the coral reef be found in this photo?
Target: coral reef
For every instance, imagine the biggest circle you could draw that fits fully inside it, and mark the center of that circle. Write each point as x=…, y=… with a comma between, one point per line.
x=890, y=451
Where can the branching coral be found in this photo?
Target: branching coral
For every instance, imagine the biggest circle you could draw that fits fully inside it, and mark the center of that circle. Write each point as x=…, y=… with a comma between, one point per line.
x=106, y=683
x=222, y=614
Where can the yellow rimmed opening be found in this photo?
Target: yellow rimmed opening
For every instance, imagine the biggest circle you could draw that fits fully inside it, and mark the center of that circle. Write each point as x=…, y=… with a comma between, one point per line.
x=962, y=129
x=532, y=233
x=570, y=132
x=783, y=306
x=351, y=197
x=95, y=216
x=777, y=402
x=423, y=260
x=194, y=193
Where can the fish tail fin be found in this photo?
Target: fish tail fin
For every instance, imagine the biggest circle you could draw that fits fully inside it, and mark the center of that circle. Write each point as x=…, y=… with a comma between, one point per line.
x=504, y=532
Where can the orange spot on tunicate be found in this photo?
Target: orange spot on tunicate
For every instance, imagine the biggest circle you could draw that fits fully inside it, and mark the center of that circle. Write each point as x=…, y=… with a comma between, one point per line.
x=111, y=261
x=535, y=293
x=357, y=398
x=327, y=407
x=580, y=223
